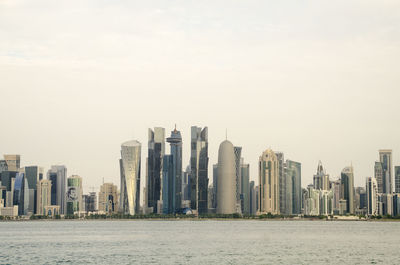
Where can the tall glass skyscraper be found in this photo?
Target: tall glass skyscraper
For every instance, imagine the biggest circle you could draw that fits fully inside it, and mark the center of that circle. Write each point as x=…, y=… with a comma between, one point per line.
x=130, y=177
x=174, y=174
x=372, y=194
x=199, y=169
x=347, y=183
x=397, y=179
x=58, y=177
x=238, y=171
x=385, y=157
x=156, y=152
x=21, y=194
x=269, y=183
x=293, y=187
x=245, y=187
x=33, y=175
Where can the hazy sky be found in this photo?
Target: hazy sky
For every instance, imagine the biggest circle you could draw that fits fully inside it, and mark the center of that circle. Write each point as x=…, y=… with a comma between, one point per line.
x=317, y=80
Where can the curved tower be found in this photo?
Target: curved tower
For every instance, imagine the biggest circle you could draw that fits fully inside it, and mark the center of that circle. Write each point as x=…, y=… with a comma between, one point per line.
x=226, y=193
x=130, y=177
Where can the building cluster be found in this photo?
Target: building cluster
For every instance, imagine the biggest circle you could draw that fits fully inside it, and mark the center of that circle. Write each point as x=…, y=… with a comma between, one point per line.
x=169, y=189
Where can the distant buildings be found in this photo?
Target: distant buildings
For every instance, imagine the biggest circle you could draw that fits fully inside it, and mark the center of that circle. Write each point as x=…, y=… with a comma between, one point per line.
x=130, y=177
x=43, y=196
x=58, y=177
x=293, y=188
x=347, y=182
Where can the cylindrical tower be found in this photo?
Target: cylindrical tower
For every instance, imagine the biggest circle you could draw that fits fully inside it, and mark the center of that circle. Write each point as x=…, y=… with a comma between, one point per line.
x=226, y=193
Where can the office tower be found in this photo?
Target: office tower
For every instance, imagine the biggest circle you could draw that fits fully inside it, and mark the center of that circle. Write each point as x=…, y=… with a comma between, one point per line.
x=6, y=179
x=211, y=199
x=359, y=196
x=33, y=175
x=13, y=162
x=282, y=181
x=378, y=169
x=321, y=179
x=91, y=202
x=168, y=185
x=238, y=153
x=21, y=194
x=108, y=199
x=74, y=195
x=293, y=187
x=199, y=169
x=3, y=166
x=185, y=184
x=397, y=179
x=312, y=201
x=156, y=152
x=43, y=196
x=215, y=185
x=245, y=187
x=175, y=142
x=385, y=157
x=226, y=195
x=58, y=177
x=129, y=200
x=253, y=198
x=347, y=188
x=326, y=197
x=336, y=189
x=269, y=183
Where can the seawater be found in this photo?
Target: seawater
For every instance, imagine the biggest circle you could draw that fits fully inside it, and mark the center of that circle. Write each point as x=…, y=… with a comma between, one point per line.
x=199, y=242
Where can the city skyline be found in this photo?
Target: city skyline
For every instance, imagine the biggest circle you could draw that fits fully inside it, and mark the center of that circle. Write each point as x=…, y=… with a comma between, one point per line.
x=265, y=71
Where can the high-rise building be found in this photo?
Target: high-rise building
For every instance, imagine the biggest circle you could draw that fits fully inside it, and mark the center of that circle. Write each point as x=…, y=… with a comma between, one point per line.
x=226, y=194
x=253, y=198
x=385, y=157
x=215, y=185
x=185, y=184
x=108, y=198
x=129, y=200
x=13, y=162
x=321, y=179
x=168, y=185
x=199, y=169
x=3, y=166
x=43, y=196
x=269, y=183
x=74, y=195
x=312, y=201
x=293, y=187
x=238, y=154
x=21, y=194
x=336, y=189
x=58, y=177
x=245, y=187
x=282, y=181
x=347, y=188
x=175, y=142
x=33, y=175
x=378, y=169
x=156, y=152
x=397, y=179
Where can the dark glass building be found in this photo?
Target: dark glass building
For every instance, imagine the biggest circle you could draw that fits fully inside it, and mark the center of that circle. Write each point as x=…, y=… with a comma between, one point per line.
x=176, y=153
x=21, y=194
x=199, y=169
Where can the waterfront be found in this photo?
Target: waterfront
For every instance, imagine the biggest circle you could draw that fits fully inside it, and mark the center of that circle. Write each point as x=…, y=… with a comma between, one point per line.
x=199, y=242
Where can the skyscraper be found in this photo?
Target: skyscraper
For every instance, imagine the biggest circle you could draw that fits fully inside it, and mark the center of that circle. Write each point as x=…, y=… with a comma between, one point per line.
x=385, y=157
x=282, y=181
x=269, y=183
x=156, y=152
x=293, y=187
x=245, y=187
x=226, y=194
x=321, y=179
x=253, y=198
x=74, y=195
x=347, y=187
x=238, y=155
x=372, y=196
x=175, y=142
x=130, y=177
x=199, y=169
x=58, y=177
x=397, y=180
x=378, y=169
x=215, y=185
x=21, y=194
x=13, y=162
x=43, y=196
x=33, y=175
x=108, y=198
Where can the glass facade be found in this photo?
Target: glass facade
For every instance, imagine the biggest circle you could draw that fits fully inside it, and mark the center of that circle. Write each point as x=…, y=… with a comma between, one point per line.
x=21, y=194
x=397, y=180
x=347, y=188
x=74, y=195
x=199, y=169
x=293, y=187
x=385, y=157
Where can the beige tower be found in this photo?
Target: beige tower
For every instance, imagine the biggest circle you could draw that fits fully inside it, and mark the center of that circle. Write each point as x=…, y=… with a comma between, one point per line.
x=43, y=196
x=226, y=191
x=269, y=183
x=108, y=198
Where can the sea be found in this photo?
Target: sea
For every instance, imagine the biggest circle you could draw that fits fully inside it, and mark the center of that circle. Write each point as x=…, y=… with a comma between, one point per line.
x=199, y=242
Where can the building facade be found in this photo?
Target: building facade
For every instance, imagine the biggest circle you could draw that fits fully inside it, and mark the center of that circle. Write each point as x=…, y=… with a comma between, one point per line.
x=74, y=195
x=347, y=188
x=269, y=183
x=58, y=176
x=293, y=188
x=43, y=196
x=108, y=198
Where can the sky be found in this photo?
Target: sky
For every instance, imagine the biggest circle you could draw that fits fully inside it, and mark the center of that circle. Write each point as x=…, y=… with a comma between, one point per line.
x=317, y=80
